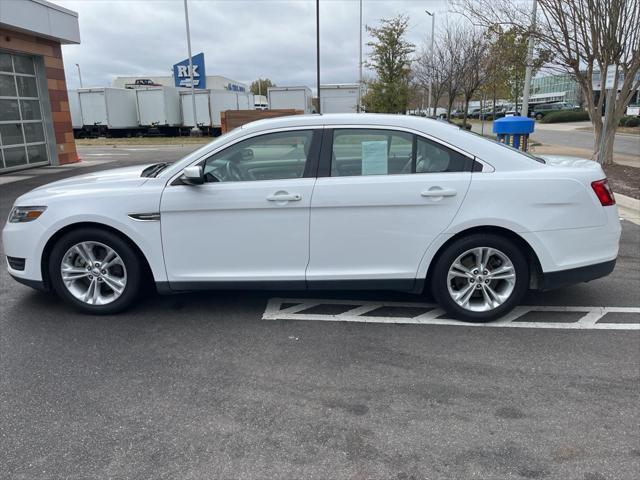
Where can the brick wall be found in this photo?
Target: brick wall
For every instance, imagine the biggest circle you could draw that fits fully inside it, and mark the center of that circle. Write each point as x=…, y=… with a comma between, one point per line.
x=54, y=71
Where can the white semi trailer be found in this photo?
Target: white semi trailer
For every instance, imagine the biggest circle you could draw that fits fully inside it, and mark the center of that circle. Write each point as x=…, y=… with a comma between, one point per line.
x=203, y=114
x=105, y=110
x=209, y=106
x=159, y=108
x=339, y=98
x=299, y=98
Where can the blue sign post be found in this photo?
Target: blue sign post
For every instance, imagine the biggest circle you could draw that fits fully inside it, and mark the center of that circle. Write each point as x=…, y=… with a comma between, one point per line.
x=181, y=72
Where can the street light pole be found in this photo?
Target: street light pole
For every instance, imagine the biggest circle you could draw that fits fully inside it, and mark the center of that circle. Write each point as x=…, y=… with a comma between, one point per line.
x=195, y=131
x=79, y=74
x=433, y=30
x=528, y=71
x=318, y=53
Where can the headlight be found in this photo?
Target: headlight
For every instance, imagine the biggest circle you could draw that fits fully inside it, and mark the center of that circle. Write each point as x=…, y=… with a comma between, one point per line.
x=25, y=214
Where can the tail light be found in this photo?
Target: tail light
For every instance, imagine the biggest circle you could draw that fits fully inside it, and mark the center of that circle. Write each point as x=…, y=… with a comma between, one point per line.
x=603, y=192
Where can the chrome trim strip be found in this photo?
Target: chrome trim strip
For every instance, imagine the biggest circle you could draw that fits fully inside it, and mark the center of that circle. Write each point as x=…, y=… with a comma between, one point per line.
x=145, y=217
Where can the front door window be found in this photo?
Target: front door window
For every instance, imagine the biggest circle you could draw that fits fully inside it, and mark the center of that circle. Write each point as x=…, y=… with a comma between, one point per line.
x=274, y=156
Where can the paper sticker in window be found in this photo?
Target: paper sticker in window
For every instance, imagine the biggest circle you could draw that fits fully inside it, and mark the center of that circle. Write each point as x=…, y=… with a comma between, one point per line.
x=374, y=158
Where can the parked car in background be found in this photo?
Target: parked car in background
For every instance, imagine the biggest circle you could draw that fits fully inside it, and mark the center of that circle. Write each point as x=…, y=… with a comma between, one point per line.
x=141, y=83
x=474, y=112
x=539, y=111
x=389, y=202
x=512, y=112
x=633, y=110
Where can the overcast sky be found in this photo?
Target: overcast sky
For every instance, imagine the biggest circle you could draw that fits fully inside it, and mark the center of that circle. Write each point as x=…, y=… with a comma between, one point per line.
x=241, y=39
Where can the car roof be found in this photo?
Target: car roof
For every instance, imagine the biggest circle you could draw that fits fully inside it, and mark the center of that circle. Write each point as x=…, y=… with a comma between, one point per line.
x=364, y=119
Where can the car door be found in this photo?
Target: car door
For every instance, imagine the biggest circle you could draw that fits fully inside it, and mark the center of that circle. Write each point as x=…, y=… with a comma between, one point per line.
x=381, y=198
x=249, y=221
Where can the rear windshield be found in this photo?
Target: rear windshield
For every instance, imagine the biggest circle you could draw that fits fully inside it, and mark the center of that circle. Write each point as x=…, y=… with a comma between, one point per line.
x=526, y=154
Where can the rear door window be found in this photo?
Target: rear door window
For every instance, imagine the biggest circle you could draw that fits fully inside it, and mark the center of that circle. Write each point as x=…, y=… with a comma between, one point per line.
x=431, y=157
x=359, y=152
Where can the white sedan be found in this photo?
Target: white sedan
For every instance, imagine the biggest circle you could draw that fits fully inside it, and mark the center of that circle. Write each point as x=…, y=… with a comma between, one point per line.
x=323, y=202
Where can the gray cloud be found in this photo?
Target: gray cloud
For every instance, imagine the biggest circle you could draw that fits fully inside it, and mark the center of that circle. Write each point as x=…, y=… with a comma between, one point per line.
x=241, y=39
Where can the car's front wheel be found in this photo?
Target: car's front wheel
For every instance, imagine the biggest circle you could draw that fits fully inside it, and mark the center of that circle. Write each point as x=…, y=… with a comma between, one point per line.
x=95, y=271
x=480, y=278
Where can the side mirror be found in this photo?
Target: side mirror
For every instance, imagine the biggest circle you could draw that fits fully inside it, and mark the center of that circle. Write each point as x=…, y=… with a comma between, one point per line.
x=193, y=175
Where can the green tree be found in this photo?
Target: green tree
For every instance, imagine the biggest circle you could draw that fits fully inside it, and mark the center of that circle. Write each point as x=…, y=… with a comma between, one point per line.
x=390, y=58
x=260, y=86
x=508, y=61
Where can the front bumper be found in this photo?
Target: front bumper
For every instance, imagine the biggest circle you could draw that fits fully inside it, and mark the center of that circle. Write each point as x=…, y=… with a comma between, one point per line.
x=37, y=284
x=562, y=278
x=24, y=240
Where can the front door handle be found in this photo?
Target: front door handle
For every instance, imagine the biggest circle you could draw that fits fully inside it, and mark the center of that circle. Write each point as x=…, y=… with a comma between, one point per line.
x=438, y=192
x=284, y=197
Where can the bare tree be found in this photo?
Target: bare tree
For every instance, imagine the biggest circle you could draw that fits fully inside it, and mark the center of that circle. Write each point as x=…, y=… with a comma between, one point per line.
x=425, y=71
x=474, y=64
x=450, y=60
x=585, y=36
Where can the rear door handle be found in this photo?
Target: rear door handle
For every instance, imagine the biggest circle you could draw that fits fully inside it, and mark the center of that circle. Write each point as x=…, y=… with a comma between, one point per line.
x=438, y=192
x=284, y=197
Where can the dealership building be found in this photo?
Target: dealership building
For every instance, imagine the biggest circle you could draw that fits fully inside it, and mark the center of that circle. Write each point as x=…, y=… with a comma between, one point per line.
x=565, y=88
x=35, y=123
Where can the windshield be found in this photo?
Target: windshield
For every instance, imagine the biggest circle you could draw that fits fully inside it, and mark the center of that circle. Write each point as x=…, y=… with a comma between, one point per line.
x=203, y=150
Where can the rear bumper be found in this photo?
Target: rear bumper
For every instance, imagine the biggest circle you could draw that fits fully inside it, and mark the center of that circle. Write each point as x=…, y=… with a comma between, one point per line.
x=572, y=276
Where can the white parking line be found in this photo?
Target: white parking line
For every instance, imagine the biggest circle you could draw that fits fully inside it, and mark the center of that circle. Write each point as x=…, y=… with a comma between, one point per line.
x=431, y=316
x=106, y=154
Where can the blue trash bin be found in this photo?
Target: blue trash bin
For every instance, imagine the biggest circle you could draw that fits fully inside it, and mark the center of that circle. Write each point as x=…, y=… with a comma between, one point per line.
x=514, y=131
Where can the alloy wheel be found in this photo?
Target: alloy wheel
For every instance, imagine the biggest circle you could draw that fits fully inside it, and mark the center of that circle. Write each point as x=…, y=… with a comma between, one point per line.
x=93, y=273
x=481, y=279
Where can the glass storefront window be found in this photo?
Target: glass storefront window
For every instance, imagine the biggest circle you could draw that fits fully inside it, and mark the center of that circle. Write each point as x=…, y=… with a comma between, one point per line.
x=33, y=132
x=11, y=134
x=9, y=110
x=7, y=86
x=5, y=62
x=30, y=109
x=37, y=153
x=22, y=134
x=23, y=64
x=27, y=87
x=15, y=156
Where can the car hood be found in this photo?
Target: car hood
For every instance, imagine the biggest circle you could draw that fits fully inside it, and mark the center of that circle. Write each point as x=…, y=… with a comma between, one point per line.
x=114, y=179
x=115, y=175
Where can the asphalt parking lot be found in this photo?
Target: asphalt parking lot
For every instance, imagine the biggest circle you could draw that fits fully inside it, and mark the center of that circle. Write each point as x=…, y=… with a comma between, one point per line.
x=362, y=385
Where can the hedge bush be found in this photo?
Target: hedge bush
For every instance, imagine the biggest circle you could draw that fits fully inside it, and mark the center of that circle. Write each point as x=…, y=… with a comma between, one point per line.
x=629, y=121
x=565, y=116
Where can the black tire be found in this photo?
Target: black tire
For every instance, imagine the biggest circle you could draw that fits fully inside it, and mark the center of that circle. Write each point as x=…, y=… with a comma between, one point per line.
x=439, y=286
x=120, y=246
x=539, y=116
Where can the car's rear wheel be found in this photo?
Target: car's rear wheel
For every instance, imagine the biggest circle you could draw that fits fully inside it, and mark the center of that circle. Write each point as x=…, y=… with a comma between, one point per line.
x=539, y=116
x=480, y=278
x=95, y=271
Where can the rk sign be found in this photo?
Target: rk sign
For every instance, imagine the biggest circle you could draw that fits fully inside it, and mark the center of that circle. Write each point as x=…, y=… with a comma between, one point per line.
x=181, y=72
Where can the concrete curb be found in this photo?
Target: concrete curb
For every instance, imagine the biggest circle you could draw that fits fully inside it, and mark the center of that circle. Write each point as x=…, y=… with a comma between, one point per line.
x=627, y=202
x=628, y=208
